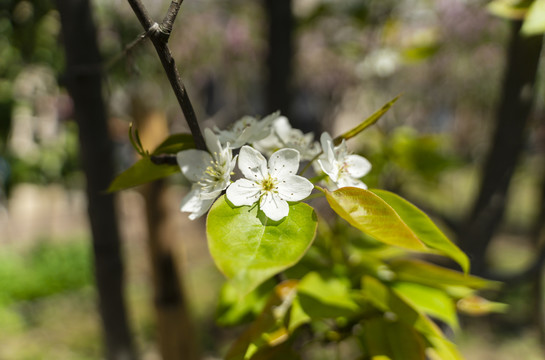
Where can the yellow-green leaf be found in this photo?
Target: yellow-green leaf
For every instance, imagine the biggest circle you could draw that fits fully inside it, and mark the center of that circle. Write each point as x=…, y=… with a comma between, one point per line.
x=429, y=300
x=424, y=228
x=367, y=122
x=367, y=212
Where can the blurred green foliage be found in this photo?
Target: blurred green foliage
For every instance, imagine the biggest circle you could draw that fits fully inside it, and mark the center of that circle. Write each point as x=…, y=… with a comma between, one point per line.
x=45, y=269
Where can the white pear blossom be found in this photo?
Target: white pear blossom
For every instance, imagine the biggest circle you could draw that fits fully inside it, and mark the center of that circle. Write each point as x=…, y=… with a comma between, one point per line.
x=210, y=173
x=343, y=169
x=273, y=185
x=284, y=136
x=246, y=130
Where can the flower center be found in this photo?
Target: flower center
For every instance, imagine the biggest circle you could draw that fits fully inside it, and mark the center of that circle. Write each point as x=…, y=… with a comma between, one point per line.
x=268, y=184
x=212, y=176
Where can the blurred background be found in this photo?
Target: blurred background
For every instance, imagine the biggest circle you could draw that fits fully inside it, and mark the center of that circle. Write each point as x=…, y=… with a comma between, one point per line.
x=466, y=143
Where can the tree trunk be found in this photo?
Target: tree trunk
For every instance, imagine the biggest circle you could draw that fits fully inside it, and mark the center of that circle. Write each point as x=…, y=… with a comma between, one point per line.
x=175, y=335
x=175, y=331
x=279, y=58
x=83, y=80
x=508, y=141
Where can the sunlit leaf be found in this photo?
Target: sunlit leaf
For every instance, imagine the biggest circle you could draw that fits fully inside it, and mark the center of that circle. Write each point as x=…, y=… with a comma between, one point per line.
x=174, y=144
x=298, y=316
x=367, y=212
x=436, y=276
x=250, y=248
x=424, y=228
x=429, y=300
x=142, y=172
x=534, y=24
x=367, y=122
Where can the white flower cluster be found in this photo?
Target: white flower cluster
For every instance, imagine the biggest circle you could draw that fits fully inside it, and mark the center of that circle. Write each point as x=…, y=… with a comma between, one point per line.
x=273, y=183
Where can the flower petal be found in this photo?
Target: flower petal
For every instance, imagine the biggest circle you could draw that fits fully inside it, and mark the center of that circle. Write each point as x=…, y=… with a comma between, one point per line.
x=281, y=127
x=330, y=168
x=243, y=192
x=193, y=163
x=252, y=164
x=294, y=188
x=283, y=163
x=274, y=207
x=346, y=180
x=357, y=166
x=193, y=204
x=327, y=146
x=212, y=142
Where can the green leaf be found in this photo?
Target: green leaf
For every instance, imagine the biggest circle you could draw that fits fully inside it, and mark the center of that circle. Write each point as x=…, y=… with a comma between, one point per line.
x=234, y=310
x=142, y=172
x=436, y=276
x=268, y=330
x=397, y=309
x=432, y=301
x=134, y=137
x=375, y=340
x=534, y=24
x=283, y=351
x=298, y=316
x=174, y=144
x=424, y=228
x=325, y=298
x=393, y=340
x=367, y=122
x=249, y=248
x=367, y=212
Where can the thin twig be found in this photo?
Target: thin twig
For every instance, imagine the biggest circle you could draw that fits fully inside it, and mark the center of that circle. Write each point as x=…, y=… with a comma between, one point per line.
x=126, y=50
x=159, y=35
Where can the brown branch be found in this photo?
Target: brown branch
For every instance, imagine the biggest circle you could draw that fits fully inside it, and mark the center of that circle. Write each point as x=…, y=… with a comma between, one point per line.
x=168, y=20
x=164, y=159
x=159, y=35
